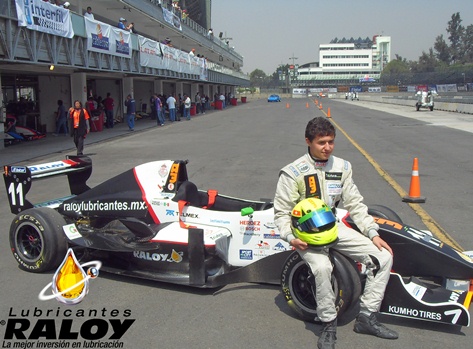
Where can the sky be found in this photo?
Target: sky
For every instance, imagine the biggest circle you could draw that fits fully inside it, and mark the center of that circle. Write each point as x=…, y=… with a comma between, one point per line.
x=268, y=33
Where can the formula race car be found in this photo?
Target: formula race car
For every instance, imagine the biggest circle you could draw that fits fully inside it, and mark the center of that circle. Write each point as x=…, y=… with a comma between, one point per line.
x=152, y=222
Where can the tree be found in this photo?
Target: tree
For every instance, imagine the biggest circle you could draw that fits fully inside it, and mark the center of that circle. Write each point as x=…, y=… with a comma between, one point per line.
x=257, y=77
x=427, y=62
x=442, y=50
x=468, y=44
x=455, y=29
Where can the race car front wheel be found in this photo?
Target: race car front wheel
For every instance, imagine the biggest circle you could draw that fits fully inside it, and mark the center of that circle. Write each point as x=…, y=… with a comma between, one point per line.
x=37, y=241
x=298, y=289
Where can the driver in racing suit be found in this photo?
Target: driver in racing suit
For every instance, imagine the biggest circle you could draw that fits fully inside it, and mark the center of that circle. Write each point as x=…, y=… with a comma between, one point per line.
x=322, y=175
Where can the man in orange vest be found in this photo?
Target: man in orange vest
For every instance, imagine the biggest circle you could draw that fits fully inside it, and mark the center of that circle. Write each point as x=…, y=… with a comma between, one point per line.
x=80, y=125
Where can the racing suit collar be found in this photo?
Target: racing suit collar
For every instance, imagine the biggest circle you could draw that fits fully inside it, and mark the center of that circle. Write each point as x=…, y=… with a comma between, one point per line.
x=317, y=161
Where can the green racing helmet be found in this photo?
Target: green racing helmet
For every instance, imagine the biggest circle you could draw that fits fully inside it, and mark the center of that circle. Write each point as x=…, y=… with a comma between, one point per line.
x=314, y=222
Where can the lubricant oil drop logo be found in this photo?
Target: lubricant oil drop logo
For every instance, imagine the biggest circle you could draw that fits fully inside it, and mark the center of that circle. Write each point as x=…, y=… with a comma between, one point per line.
x=70, y=282
x=66, y=327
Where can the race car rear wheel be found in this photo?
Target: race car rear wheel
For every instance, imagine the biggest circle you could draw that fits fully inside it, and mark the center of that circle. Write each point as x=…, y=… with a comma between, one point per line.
x=37, y=241
x=298, y=290
x=384, y=212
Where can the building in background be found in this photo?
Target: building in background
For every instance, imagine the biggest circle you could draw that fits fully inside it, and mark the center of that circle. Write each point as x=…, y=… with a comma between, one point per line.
x=346, y=62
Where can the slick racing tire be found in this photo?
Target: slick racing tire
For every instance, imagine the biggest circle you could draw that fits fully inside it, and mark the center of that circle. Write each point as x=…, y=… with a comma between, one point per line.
x=37, y=240
x=384, y=212
x=297, y=290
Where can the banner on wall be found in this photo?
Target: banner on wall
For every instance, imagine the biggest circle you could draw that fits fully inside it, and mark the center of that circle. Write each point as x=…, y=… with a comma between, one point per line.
x=172, y=19
x=153, y=54
x=45, y=17
x=104, y=38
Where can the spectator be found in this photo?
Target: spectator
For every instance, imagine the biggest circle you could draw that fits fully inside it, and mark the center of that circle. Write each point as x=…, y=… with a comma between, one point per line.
x=108, y=104
x=80, y=125
x=130, y=112
x=158, y=106
x=123, y=24
x=210, y=34
x=192, y=52
x=89, y=13
x=171, y=102
x=222, y=99
x=167, y=42
x=91, y=105
x=203, y=103
x=131, y=28
x=198, y=103
x=66, y=5
x=187, y=107
x=61, y=119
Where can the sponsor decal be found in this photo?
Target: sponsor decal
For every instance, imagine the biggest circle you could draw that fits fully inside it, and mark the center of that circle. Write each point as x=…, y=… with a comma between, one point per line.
x=270, y=225
x=279, y=247
x=250, y=226
x=163, y=171
x=71, y=231
x=333, y=176
x=48, y=166
x=246, y=254
x=219, y=221
x=312, y=186
x=320, y=163
x=158, y=202
x=175, y=257
x=334, y=188
x=170, y=213
x=429, y=315
x=293, y=169
x=263, y=245
x=272, y=235
x=98, y=205
x=303, y=166
x=18, y=169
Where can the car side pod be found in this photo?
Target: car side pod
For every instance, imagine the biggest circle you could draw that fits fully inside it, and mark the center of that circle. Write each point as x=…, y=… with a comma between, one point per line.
x=415, y=299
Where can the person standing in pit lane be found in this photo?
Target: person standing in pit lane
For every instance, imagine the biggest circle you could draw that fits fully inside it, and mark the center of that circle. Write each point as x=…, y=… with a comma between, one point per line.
x=80, y=125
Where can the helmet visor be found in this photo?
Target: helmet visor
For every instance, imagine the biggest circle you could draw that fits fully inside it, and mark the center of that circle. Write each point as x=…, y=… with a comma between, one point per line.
x=316, y=220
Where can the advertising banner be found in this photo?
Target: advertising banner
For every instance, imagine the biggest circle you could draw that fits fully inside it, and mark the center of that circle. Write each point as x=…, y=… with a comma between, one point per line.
x=151, y=54
x=104, y=38
x=172, y=19
x=44, y=17
x=156, y=55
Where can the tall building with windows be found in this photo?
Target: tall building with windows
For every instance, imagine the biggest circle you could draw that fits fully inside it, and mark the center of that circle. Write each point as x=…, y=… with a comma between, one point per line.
x=345, y=62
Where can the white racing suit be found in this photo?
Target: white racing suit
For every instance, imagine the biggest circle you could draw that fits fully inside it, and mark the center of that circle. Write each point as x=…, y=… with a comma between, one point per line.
x=332, y=182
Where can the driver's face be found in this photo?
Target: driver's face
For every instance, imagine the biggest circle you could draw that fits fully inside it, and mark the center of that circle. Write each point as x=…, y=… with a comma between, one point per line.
x=321, y=147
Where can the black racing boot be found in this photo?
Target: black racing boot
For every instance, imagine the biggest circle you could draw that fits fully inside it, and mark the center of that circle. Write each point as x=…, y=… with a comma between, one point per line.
x=370, y=325
x=328, y=337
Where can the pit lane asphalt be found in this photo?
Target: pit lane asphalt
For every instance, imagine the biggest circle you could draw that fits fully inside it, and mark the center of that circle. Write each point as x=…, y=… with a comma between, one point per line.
x=26, y=152
x=228, y=157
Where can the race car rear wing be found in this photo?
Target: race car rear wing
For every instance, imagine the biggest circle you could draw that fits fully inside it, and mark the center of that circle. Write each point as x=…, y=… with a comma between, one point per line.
x=18, y=179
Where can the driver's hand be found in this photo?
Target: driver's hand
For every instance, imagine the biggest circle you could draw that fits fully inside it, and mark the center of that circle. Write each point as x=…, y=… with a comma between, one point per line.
x=380, y=244
x=299, y=244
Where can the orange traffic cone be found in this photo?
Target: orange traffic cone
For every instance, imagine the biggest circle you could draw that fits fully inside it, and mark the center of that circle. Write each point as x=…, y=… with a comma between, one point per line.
x=316, y=102
x=320, y=106
x=287, y=105
x=414, y=190
x=328, y=113
x=307, y=105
